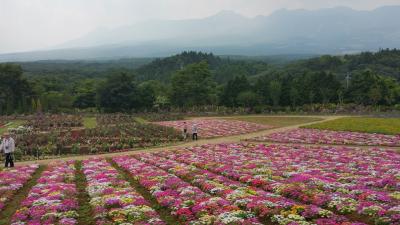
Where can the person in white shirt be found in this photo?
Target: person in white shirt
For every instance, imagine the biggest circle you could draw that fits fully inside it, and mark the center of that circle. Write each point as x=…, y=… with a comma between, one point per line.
x=8, y=146
x=194, y=132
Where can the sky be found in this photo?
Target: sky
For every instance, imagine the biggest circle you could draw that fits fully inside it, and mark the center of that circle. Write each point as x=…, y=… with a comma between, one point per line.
x=27, y=25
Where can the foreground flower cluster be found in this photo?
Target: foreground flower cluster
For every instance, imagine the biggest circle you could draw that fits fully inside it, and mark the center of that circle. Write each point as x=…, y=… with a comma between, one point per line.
x=266, y=205
x=11, y=180
x=216, y=128
x=113, y=199
x=53, y=199
x=314, y=136
x=188, y=203
x=362, y=183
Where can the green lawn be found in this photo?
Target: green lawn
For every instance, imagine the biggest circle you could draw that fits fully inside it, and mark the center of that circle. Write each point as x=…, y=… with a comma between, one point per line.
x=275, y=121
x=361, y=124
x=89, y=122
x=12, y=124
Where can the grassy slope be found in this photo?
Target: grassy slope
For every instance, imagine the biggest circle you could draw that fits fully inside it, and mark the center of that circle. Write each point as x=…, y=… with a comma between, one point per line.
x=89, y=122
x=361, y=124
x=275, y=121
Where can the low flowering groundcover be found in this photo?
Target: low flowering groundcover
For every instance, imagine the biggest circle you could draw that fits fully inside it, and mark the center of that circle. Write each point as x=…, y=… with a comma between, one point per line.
x=53, y=199
x=208, y=128
x=315, y=136
x=113, y=200
x=13, y=179
x=265, y=205
x=187, y=202
x=362, y=183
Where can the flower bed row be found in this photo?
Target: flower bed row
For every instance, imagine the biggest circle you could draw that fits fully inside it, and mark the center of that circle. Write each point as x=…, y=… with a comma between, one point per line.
x=215, y=127
x=113, y=199
x=268, y=206
x=314, y=136
x=188, y=203
x=53, y=199
x=11, y=180
x=284, y=175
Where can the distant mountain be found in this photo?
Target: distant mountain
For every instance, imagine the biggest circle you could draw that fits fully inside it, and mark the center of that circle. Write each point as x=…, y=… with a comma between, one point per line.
x=326, y=31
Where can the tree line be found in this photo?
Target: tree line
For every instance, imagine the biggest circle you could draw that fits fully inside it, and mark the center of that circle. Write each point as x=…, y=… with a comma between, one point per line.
x=322, y=80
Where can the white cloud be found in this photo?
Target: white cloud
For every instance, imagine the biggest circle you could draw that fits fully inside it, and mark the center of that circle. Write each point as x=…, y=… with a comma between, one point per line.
x=35, y=24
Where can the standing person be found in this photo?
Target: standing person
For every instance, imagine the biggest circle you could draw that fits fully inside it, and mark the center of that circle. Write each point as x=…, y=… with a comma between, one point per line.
x=8, y=147
x=194, y=132
x=185, y=130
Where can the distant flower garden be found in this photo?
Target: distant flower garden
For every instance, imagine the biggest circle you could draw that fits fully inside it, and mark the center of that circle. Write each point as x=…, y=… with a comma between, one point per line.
x=113, y=133
x=216, y=127
x=314, y=136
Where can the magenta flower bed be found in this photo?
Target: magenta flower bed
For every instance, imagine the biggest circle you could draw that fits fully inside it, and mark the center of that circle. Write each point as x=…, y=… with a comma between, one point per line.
x=53, y=199
x=188, y=203
x=113, y=199
x=314, y=136
x=215, y=127
x=265, y=204
x=362, y=183
x=12, y=179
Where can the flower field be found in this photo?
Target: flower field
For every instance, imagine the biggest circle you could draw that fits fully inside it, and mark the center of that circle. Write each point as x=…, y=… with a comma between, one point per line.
x=216, y=127
x=53, y=199
x=237, y=183
x=112, y=198
x=314, y=136
x=11, y=180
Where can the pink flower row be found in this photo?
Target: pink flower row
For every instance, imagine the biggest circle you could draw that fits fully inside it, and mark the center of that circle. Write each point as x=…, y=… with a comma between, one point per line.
x=53, y=200
x=188, y=203
x=216, y=127
x=265, y=204
x=314, y=136
x=11, y=180
x=294, y=172
x=113, y=200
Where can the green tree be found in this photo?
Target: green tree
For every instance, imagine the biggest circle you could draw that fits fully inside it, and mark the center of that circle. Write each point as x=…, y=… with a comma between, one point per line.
x=232, y=89
x=275, y=91
x=193, y=86
x=248, y=99
x=118, y=93
x=15, y=90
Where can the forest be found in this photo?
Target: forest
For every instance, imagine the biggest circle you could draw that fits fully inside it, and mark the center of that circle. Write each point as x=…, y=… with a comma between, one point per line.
x=195, y=79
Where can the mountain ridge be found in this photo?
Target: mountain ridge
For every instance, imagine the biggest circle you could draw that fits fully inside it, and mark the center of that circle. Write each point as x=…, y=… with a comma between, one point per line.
x=338, y=30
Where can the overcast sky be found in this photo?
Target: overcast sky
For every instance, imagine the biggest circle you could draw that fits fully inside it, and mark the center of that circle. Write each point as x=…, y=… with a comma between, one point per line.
x=36, y=24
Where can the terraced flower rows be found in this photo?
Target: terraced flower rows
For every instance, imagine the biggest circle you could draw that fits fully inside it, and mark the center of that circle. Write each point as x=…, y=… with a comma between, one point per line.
x=240, y=183
x=53, y=199
x=11, y=180
x=208, y=128
x=113, y=199
x=315, y=136
x=187, y=202
x=320, y=176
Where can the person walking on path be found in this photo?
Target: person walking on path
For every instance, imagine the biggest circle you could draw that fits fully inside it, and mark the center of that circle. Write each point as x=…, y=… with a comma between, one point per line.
x=194, y=132
x=8, y=146
x=185, y=130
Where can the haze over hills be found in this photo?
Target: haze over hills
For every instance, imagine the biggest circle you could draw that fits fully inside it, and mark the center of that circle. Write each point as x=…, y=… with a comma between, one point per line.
x=325, y=31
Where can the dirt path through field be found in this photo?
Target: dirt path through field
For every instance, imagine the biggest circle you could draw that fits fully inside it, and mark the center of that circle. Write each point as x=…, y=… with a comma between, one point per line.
x=229, y=139
x=217, y=140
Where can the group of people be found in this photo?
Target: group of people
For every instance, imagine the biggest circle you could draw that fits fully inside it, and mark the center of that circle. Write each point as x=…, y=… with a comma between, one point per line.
x=194, y=131
x=7, y=147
